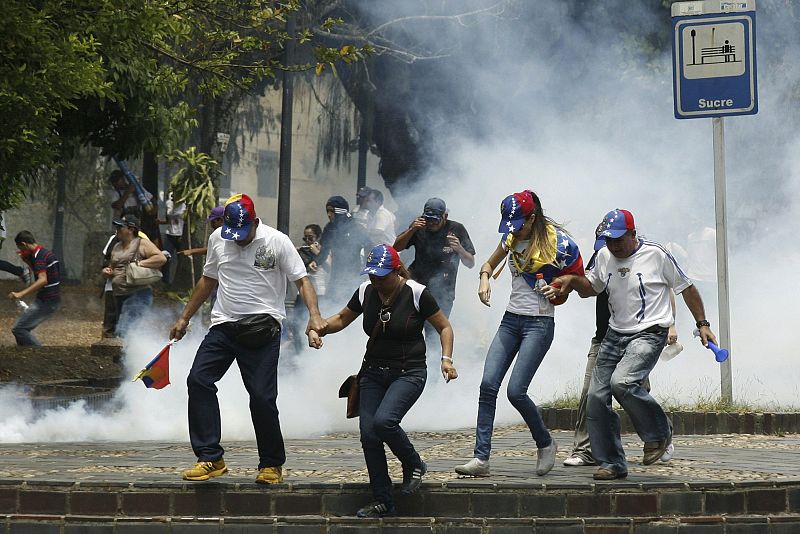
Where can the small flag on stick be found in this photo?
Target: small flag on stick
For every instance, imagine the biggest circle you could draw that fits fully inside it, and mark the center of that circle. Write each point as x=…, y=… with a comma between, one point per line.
x=156, y=374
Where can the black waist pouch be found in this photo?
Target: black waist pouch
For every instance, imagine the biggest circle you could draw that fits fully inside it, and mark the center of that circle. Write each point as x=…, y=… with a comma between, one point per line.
x=253, y=331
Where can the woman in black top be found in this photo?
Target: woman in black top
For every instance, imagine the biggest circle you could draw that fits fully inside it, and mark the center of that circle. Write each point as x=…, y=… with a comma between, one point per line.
x=394, y=371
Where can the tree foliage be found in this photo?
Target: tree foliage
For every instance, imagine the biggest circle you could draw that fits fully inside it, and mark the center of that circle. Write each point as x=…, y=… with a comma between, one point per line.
x=115, y=73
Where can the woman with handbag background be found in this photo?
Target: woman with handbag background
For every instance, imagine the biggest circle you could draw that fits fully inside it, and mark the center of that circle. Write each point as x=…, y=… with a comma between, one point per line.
x=537, y=250
x=393, y=372
x=132, y=292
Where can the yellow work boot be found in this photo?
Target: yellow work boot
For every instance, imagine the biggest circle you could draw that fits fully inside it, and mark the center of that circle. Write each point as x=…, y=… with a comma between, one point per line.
x=205, y=470
x=270, y=475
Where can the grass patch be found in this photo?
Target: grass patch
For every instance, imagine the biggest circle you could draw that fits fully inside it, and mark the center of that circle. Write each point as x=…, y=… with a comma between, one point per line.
x=704, y=402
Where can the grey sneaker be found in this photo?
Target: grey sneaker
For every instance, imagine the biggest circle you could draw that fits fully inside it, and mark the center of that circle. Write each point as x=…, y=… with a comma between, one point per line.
x=474, y=468
x=546, y=458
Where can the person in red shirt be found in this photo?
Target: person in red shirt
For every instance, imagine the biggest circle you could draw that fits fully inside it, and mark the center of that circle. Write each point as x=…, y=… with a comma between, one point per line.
x=46, y=286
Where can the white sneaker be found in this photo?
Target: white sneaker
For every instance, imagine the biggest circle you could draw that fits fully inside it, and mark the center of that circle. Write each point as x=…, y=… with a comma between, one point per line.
x=546, y=458
x=574, y=461
x=667, y=456
x=474, y=468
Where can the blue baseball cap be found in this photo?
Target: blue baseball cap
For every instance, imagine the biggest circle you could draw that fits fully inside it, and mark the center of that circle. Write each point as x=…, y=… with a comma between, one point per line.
x=382, y=260
x=616, y=223
x=238, y=217
x=435, y=208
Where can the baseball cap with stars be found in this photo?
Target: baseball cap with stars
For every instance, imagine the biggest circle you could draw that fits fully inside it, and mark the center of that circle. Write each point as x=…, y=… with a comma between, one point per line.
x=238, y=219
x=616, y=223
x=513, y=211
x=382, y=260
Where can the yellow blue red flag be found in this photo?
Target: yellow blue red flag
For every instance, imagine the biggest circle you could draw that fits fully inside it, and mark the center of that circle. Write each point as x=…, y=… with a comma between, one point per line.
x=156, y=374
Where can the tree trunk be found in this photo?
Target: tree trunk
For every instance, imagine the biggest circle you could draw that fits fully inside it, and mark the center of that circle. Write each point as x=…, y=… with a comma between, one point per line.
x=58, y=227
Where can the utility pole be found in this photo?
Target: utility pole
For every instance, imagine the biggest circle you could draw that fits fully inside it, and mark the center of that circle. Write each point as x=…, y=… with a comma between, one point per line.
x=285, y=165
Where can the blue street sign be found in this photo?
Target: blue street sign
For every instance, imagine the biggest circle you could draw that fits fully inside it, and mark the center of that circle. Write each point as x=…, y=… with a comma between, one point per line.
x=714, y=58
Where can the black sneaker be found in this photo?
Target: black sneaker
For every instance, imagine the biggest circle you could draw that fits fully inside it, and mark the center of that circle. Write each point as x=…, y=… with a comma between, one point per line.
x=412, y=478
x=377, y=509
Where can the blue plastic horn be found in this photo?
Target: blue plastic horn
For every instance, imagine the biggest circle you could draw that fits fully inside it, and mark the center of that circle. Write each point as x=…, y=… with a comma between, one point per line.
x=719, y=354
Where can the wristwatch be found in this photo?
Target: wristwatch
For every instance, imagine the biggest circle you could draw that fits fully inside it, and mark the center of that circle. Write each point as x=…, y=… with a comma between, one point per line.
x=702, y=323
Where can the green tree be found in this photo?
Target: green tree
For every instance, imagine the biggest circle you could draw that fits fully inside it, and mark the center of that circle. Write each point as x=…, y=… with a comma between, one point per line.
x=115, y=73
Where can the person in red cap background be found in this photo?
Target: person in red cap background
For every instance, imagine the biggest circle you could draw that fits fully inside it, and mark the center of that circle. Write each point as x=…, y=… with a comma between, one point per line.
x=535, y=247
x=394, y=370
x=248, y=263
x=637, y=275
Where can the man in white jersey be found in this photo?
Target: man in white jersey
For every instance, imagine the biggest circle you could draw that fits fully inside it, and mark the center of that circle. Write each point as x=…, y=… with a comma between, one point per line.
x=248, y=263
x=638, y=275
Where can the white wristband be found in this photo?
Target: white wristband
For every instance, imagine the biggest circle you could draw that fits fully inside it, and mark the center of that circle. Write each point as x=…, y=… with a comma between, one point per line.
x=448, y=358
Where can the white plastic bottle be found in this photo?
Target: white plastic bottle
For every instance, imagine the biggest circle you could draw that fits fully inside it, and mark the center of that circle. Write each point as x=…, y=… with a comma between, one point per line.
x=540, y=285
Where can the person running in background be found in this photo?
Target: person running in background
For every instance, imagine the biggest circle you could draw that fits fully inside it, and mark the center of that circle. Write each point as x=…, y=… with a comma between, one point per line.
x=47, y=288
x=394, y=370
x=536, y=247
x=440, y=246
x=380, y=222
x=342, y=241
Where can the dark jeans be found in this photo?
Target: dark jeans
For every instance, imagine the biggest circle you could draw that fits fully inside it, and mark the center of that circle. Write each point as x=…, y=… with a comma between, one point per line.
x=259, y=369
x=38, y=312
x=172, y=244
x=109, y=314
x=386, y=396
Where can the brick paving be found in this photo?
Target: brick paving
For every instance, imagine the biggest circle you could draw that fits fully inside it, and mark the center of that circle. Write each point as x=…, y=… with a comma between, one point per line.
x=337, y=459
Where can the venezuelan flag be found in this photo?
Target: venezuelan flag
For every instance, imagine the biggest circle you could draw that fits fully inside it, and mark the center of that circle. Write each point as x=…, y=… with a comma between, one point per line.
x=156, y=374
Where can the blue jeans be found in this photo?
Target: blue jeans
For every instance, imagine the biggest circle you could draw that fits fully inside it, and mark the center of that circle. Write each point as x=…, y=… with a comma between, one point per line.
x=623, y=362
x=259, y=369
x=131, y=307
x=386, y=396
x=528, y=338
x=38, y=312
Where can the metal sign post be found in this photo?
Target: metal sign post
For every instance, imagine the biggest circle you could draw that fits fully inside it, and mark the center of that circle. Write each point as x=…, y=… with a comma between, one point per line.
x=721, y=213
x=714, y=62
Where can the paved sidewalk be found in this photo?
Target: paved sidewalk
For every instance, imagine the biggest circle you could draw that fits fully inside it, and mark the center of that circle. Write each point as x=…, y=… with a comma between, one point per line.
x=338, y=459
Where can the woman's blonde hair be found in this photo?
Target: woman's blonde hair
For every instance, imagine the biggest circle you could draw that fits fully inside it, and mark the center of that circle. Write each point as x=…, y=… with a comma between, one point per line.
x=540, y=241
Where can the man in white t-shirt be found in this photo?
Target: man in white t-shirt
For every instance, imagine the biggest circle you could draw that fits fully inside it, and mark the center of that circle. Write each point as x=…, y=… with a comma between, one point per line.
x=380, y=221
x=248, y=263
x=637, y=275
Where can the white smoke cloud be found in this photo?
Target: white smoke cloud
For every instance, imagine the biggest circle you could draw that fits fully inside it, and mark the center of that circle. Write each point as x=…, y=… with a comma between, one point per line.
x=586, y=144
